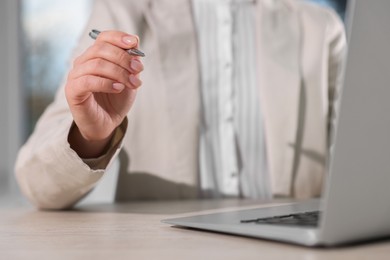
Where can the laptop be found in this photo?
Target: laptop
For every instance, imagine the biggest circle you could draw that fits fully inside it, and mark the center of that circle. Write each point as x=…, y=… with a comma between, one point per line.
x=356, y=201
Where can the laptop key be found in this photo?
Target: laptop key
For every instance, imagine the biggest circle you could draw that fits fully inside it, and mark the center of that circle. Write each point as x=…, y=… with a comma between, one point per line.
x=309, y=219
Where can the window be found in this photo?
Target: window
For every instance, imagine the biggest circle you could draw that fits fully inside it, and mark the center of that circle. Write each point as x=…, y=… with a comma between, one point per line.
x=38, y=37
x=338, y=5
x=51, y=29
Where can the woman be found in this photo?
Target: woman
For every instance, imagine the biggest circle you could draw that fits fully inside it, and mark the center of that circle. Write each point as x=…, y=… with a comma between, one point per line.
x=236, y=100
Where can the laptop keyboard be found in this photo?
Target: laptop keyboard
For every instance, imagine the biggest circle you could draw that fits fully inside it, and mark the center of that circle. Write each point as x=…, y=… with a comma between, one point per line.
x=307, y=219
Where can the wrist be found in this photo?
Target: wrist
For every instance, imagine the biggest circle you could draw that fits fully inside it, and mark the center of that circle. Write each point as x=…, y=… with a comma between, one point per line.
x=86, y=148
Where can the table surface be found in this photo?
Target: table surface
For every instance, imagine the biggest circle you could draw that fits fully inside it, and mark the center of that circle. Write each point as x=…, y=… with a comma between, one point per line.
x=134, y=231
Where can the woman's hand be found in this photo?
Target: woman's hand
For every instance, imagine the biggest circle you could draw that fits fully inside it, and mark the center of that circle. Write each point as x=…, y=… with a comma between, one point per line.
x=100, y=90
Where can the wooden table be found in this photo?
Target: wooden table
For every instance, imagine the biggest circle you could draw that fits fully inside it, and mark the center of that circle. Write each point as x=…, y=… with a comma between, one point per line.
x=134, y=231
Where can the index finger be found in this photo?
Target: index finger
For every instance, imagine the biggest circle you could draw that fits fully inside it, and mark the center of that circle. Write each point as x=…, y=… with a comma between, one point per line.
x=120, y=39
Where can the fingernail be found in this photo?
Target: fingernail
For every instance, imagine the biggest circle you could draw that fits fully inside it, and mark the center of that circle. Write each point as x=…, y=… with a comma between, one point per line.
x=129, y=40
x=136, y=82
x=118, y=86
x=136, y=65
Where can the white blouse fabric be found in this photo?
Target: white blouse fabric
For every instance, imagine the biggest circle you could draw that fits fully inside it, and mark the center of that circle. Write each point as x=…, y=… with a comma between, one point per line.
x=232, y=146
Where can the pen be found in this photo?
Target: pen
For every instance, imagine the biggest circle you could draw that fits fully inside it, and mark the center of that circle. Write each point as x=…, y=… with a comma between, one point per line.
x=94, y=34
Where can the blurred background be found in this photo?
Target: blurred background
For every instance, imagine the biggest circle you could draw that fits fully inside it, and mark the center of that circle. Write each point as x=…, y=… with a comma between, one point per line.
x=36, y=40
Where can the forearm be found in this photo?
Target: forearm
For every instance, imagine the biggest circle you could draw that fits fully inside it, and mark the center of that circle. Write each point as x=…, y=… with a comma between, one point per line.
x=52, y=175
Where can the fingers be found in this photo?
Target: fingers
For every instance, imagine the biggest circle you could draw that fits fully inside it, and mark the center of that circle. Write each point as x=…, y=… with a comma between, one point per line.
x=119, y=39
x=136, y=66
x=113, y=54
x=89, y=83
x=106, y=69
x=106, y=66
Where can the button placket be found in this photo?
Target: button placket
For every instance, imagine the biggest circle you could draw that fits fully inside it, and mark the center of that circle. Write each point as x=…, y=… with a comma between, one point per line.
x=225, y=107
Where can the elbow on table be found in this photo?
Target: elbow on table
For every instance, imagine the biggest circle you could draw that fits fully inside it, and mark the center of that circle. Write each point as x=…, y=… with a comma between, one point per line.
x=45, y=197
x=55, y=206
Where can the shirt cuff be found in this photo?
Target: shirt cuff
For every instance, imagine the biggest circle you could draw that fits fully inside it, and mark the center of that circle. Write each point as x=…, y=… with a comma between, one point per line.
x=101, y=162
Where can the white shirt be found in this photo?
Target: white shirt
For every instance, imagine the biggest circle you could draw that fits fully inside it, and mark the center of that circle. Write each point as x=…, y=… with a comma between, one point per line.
x=232, y=147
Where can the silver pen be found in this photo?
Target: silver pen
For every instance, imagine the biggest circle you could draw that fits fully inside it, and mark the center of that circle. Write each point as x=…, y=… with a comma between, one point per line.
x=94, y=34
